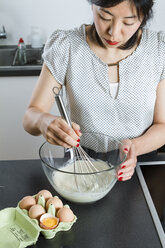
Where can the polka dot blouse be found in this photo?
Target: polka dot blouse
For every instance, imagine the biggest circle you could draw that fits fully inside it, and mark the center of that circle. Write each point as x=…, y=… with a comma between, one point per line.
x=85, y=77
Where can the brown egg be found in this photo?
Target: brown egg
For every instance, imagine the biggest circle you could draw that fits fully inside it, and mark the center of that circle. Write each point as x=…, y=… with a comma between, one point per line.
x=36, y=211
x=65, y=215
x=55, y=201
x=46, y=194
x=27, y=202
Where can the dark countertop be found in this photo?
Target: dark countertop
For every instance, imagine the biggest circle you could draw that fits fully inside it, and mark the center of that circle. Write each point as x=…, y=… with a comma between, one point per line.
x=121, y=219
x=8, y=71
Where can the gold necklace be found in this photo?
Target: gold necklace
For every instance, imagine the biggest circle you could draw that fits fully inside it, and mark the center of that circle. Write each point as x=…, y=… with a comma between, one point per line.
x=114, y=64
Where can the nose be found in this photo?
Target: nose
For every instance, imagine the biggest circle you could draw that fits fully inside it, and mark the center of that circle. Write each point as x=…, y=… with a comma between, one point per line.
x=114, y=30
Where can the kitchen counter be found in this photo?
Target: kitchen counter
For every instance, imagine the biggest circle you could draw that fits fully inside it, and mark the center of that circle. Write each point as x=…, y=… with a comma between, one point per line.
x=121, y=219
x=27, y=70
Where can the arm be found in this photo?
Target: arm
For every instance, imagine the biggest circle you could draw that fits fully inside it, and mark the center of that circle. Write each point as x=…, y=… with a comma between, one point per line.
x=38, y=120
x=154, y=137
x=151, y=140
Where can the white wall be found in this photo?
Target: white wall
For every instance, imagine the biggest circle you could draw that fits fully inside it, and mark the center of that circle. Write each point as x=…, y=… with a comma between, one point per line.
x=18, y=16
x=159, y=16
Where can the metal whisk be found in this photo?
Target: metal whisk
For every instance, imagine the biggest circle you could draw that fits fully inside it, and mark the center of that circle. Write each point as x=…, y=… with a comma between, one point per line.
x=83, y=163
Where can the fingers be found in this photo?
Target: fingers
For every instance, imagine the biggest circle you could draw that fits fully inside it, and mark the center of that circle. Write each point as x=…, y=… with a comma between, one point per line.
x=60, y=133
x=126, y=145
x=124, y=148
x=54, y=139
x=127, y=169
x=58, y=142
x=76, y=128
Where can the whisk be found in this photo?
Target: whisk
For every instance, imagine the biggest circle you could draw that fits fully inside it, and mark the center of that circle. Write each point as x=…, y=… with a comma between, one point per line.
x=83, y=163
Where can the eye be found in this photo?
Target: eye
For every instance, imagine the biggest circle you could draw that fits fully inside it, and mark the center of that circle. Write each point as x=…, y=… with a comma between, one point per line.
x=107, y=20
x=128, y=24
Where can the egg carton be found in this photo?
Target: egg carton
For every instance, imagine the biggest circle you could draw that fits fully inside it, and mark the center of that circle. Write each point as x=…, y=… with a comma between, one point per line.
x=18, y=230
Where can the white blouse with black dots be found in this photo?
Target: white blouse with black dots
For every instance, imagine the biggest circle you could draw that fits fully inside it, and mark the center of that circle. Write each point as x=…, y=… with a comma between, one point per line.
x=91, y=105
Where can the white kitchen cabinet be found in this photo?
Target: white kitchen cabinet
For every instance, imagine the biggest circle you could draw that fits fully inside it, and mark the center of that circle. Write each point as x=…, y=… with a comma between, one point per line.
x=15, y=143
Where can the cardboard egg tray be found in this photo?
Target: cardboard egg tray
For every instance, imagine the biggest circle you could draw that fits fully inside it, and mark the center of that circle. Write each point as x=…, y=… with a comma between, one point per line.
x=18, y=230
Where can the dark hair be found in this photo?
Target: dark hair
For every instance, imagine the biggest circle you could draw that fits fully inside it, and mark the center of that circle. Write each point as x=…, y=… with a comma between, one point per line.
x=143, y=7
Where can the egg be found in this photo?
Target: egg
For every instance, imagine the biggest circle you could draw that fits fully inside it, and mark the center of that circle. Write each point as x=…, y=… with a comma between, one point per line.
x=65, y=215
x=55, y=201
x=45, y=193
x=48, y=221
x=27, y=202
x=36, y=211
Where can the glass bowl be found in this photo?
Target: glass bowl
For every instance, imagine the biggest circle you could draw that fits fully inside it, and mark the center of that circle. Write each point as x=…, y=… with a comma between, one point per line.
x=84, y=174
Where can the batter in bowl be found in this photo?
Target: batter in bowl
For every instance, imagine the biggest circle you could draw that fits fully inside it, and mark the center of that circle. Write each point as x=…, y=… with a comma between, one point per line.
x=84, y=188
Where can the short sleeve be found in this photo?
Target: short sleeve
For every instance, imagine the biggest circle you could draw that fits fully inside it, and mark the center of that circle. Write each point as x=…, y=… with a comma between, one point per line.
x=56, y=55
x=162, y=53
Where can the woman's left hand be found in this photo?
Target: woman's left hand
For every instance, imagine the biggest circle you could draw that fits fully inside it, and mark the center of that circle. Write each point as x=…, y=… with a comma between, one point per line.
x=127, y=168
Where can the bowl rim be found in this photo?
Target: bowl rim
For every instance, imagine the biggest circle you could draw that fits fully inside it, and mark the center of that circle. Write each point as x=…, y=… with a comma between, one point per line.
x=84, y=173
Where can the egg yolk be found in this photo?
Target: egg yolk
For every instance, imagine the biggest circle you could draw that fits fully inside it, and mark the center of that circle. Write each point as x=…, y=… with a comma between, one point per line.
x=49, y=222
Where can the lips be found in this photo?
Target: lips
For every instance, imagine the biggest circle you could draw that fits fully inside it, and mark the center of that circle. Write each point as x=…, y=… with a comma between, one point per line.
x=112, y=43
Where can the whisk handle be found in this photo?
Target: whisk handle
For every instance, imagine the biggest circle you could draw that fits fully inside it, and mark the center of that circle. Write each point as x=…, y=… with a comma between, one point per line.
x=62, y=109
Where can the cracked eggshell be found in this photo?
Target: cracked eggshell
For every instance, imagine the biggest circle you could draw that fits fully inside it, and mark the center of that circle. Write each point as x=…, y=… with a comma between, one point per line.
x=36, y=211
x=48, y=221
x=27, y=202
x=45, y=193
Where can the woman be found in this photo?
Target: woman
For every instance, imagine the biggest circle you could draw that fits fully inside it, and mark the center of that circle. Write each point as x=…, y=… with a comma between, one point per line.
x=114, y=74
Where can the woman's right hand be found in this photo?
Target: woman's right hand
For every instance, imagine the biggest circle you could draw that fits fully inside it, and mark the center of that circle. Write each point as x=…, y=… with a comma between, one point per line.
x=56, y=131
x=38, y=120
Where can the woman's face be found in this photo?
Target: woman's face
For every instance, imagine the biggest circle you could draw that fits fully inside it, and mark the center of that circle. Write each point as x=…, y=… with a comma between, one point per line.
x=116, y=25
